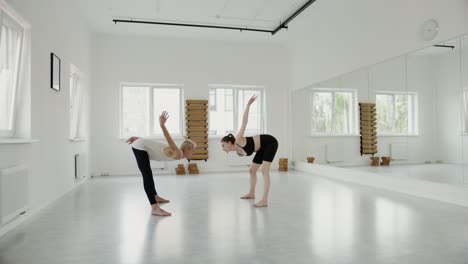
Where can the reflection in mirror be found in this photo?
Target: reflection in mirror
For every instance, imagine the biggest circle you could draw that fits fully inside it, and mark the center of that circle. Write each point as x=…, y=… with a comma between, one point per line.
x=421, y=116
x=436, y=151
x=325, y=120
x=464, y=87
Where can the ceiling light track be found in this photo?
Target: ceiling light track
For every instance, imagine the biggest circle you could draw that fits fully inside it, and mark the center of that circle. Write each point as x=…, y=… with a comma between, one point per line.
x=445, y=46
x=273, y=32
x=189, y=25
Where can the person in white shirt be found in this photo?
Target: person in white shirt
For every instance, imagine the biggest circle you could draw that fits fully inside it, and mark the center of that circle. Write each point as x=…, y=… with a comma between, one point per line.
x=146, y=150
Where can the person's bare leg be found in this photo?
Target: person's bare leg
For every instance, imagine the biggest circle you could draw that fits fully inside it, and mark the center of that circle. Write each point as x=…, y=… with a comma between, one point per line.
x=253, y=181
x=159, y=199
x=266, y=185
x=156, y=210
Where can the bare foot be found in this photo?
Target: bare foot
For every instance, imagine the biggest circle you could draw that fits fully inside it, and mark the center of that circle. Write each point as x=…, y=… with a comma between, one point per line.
x=261, y=203
x=160, y=212
x=161, y=200
x=248, y=196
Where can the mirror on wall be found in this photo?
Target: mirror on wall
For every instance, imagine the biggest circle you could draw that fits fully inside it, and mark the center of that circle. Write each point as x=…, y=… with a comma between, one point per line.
x=421, y=116
x=464, y=91
x=436, y=150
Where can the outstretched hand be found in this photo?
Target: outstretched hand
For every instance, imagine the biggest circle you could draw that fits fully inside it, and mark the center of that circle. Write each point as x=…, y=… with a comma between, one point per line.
x=252, y=99
x=163, y=118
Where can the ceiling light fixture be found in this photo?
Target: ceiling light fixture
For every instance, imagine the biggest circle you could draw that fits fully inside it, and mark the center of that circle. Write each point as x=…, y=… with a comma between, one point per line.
x=273, y=32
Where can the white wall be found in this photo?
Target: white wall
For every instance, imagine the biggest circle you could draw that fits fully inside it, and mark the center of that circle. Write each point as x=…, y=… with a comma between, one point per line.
x=337, y=36
x=193, y=63
x=55, y=27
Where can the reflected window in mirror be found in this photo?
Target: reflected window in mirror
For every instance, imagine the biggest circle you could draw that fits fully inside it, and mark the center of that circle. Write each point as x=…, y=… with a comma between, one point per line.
x=334, y=112
x=397, y=113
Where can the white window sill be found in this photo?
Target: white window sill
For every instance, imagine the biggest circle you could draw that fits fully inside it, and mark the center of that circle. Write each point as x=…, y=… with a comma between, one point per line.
x=77, y=139
x=18, y=141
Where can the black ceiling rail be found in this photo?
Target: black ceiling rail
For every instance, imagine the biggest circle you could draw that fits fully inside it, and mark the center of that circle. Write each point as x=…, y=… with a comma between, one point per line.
x=445, y=46
x=294, y=15
x=188, y=25
x=273, y=32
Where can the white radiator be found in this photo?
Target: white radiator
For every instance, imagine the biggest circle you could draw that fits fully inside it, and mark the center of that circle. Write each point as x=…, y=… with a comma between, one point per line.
x=13, y=192
x=80, y=165
x=399, y=151
x=334, y=152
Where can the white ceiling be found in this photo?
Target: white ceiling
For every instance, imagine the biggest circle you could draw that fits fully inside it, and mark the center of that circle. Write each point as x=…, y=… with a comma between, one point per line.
x=262, y=14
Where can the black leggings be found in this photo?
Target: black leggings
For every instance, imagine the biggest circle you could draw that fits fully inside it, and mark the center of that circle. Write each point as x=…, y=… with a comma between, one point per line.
x=144, y=165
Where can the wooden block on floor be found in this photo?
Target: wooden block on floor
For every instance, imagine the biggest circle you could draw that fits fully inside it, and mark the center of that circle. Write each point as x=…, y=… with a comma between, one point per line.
x=180, y=172
x=375, y=161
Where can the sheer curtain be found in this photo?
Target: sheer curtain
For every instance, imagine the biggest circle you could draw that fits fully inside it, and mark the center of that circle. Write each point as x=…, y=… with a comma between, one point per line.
x=11, y=38
x=76, y=102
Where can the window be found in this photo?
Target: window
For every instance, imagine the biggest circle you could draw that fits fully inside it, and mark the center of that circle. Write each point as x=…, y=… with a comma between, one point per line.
x=333, y=112
x=396, y=113
x=227, y=106
x=76, y=103
x=142, y=105
x=11, y=45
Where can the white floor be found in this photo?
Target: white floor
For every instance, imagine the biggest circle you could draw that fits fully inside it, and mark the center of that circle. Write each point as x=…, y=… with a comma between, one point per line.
x=434, y=172
x=310, y=220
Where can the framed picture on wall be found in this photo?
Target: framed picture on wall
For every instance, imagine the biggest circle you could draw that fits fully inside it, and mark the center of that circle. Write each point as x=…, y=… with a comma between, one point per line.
x=55, y=72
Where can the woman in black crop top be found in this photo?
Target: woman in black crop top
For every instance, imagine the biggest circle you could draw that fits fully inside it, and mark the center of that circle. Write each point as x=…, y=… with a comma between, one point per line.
x=265, y=147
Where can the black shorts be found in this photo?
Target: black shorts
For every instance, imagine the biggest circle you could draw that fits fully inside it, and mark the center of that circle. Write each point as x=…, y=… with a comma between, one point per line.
x=267, y=151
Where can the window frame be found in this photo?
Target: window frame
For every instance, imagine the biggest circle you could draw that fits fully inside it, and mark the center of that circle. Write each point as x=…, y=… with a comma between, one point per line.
x=413, y=120
x=151, y=87
x=80, y=91
x=354, y=107
x=10, y=133
x=235, y=107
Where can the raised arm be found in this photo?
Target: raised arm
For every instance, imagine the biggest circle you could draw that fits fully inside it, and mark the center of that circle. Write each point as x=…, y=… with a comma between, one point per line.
x=162, y=122
x=245, y=118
